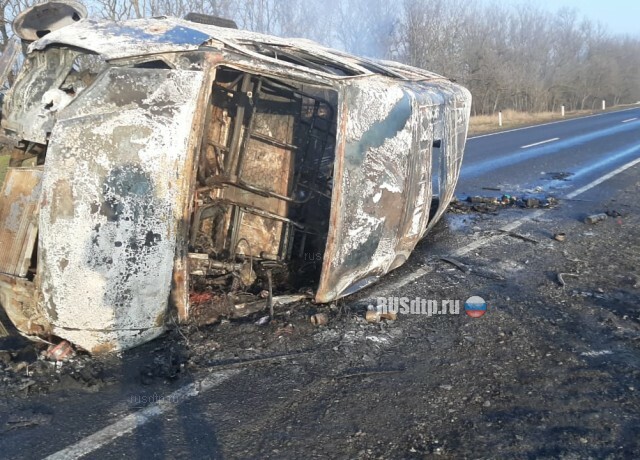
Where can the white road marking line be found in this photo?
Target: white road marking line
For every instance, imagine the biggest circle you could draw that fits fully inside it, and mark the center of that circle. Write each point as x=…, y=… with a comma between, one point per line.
x=540, y=143
x=135, y=420
x=507, y=228
x=386, y=290
x=550, y=123
x=390, y=288
x=630, y=119
x=600, y=180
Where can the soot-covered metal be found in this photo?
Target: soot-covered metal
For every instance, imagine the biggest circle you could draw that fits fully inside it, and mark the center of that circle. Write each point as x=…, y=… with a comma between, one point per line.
x=164, y=167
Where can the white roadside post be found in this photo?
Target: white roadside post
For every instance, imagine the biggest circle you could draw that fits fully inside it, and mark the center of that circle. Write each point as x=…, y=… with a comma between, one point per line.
x=500, y=119
x=562, y=111
x=604, y=105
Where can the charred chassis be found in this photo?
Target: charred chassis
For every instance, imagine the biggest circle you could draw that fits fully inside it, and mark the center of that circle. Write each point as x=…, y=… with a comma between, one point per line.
x=163, y=165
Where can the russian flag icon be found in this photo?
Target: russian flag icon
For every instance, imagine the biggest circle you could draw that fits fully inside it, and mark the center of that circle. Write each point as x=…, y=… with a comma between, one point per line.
x=475, y=306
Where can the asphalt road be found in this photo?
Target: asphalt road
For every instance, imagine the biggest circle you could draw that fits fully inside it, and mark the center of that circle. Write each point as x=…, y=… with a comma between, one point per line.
x=522, y=159
x=548, y=372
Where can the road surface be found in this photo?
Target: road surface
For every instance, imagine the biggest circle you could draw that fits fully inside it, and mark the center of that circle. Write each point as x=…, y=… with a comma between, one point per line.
x=522, y=159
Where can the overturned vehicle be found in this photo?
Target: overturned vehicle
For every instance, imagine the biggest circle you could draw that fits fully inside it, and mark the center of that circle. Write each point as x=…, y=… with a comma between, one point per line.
x=162, y=166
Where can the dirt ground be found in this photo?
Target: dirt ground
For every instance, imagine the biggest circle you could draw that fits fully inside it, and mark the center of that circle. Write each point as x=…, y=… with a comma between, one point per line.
x=550, y=371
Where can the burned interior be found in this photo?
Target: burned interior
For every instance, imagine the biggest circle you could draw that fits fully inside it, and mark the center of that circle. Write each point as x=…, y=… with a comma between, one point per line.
x=163, y=169
x=264, y=180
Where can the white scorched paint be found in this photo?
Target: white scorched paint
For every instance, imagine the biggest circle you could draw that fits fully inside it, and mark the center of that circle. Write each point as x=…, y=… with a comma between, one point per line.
x=106, y=279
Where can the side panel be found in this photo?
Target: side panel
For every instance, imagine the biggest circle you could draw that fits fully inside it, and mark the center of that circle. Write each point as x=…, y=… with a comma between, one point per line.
x=451, y=127
x=383, y=176
x=114, y=192
x=375, y=140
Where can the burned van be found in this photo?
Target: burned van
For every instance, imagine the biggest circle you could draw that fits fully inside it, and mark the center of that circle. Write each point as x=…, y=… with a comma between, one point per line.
x=164, y=165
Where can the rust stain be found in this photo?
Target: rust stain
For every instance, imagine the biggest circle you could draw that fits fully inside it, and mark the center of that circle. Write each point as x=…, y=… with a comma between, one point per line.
x=62, y=201
x=161, y=320
x=104, y=348
x=19, y=209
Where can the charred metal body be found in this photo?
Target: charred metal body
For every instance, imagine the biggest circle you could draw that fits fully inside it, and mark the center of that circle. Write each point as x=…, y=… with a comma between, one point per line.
x=164, y=165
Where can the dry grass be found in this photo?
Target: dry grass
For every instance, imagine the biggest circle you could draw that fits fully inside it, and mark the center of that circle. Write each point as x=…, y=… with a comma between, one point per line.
x=511, y=119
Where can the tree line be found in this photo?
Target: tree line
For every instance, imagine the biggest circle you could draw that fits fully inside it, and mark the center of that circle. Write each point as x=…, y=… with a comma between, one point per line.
x=522, y=57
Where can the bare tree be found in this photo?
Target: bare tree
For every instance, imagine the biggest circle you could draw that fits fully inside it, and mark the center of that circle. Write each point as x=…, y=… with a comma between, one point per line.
x=523, y=57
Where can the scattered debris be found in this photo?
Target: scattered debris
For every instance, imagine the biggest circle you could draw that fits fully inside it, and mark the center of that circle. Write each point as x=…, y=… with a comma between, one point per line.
x=459, y=265
x=560, y=236
x=270, y=292
x=532, y=203
x=369, y=373
x=482, y=199
x=287, y=329
x=595, y=218
x=377, y=339
x=221, y=305
x=60, y=352
x=373, y=316
x=489, y=204
x=519, y=236
x=264, y=320
x=167, y=365
x=563, y=176
x=319, y=319
x=488, y=274
x=562, y=275
x=260, y=360
x=27, y=384
x=26, y=419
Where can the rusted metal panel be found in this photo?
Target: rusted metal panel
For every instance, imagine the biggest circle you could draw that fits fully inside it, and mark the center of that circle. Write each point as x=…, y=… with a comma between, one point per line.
x=19, y=204
x=112, y=203
x=179, y=295
x=19, y=298
x=268, y=167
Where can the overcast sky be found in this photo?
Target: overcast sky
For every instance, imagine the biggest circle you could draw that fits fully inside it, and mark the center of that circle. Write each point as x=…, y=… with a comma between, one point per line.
x=620, y=16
